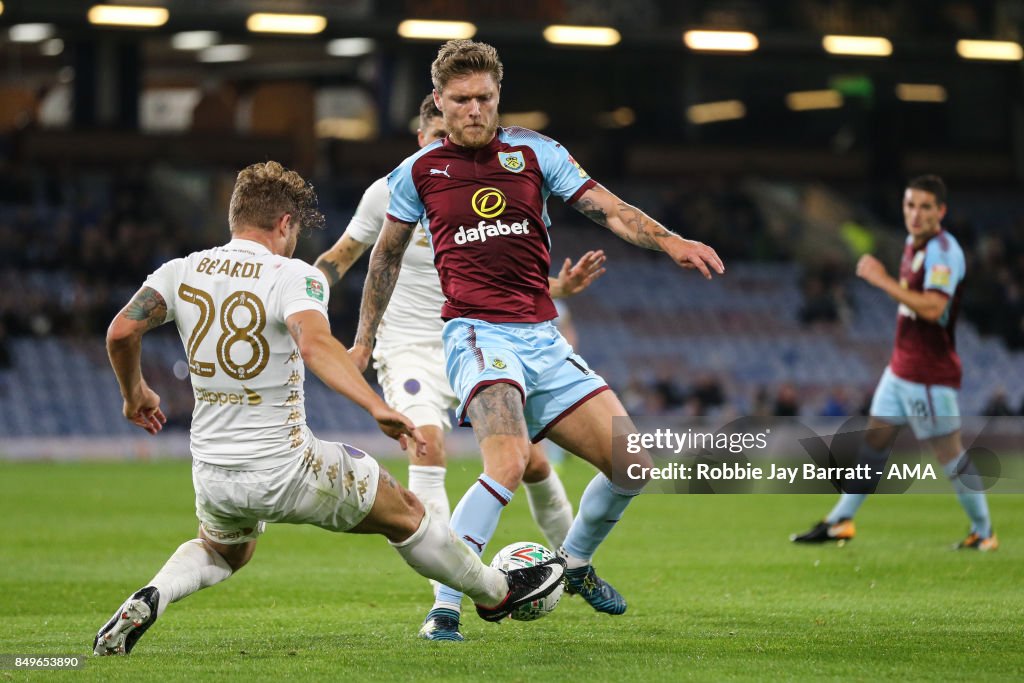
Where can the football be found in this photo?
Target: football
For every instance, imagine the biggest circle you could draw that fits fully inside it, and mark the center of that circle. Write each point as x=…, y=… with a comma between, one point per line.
x=528, y=554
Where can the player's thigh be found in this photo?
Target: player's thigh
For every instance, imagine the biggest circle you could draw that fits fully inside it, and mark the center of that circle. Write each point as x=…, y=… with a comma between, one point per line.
x=496, y=413
x=227, y=502
x=595, y=430
x=479, y=355
x=396, y=511
x=333, y=486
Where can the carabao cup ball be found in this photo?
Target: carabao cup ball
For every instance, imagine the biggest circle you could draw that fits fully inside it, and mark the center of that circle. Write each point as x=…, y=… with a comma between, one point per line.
x=519, y=556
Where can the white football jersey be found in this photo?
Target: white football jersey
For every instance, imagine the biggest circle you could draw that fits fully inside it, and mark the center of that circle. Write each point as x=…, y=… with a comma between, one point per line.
x=230, y=304
x=413, y=315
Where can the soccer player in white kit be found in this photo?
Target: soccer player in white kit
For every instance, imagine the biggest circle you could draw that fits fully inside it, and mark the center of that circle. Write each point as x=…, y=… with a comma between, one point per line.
x=409, y=355
x=251, y=319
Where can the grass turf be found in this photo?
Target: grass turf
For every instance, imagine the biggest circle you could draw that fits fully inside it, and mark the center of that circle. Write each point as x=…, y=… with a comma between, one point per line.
x=715, y=591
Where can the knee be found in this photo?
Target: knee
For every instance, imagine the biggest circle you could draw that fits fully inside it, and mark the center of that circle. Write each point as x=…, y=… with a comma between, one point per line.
x=404, y=525
x=537, y=466
x=236, y=556
x=508, y=469
x=434, y=456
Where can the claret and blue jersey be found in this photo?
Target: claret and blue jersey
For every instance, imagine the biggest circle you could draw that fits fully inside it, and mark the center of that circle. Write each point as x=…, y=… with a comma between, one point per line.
x=485, y=210
x=925, y=352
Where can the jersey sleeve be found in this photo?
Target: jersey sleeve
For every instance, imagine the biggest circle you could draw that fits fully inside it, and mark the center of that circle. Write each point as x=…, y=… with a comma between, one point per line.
x=302, y=288
x=164, y=280
x=563, y=175
x=944, y=268
x=368, y=220
x=405, y=205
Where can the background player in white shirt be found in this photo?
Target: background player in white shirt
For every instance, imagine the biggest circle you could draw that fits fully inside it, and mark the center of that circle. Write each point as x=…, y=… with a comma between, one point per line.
x=251, y=318
x=409, y=355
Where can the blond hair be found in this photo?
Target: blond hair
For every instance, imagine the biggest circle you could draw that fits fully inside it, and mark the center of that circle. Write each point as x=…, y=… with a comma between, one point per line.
x=463, y=58
x=264, y=192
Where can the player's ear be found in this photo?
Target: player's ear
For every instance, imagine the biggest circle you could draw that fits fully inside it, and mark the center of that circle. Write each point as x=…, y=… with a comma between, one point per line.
x=437, y=100
x=283, y=224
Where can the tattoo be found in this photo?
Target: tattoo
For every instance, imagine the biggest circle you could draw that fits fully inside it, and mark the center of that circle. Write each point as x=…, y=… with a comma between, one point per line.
x=644, y=231
x=295, y=328
x=385, y=264
x=636, y=227
x=330, y=269
x=148, y=306
x=497, y=410
x=591, y=210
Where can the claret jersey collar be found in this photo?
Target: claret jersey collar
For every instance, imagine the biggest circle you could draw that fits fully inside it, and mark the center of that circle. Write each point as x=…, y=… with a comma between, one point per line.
x=493, y=146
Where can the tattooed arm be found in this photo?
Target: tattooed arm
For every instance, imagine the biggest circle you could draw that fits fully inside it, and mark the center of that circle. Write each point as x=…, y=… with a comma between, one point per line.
x=385, y=263
x=145, y=311
x=336, y=261
x=636, y=227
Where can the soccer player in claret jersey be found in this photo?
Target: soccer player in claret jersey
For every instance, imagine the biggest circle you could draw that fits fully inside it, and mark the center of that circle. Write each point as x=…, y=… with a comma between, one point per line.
x=921, y=383
x=251, y=319
x=409, y=357
x=481, y=194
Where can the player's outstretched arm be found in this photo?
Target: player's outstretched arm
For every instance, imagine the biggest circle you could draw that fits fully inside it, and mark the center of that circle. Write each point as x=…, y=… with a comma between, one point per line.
x=573, y=278
x=336, y=261
x=145, y=311
x=928, y=305
x=328, y=358
x=385, y=264
x=636, y=227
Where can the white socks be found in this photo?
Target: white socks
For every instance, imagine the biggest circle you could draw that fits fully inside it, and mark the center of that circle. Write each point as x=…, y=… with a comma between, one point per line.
x=427, y=482
x=550, y=508
x=434, y=552
x=192, y=567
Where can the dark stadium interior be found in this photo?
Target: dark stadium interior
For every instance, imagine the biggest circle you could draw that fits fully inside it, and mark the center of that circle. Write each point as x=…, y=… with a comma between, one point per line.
x=118, y=152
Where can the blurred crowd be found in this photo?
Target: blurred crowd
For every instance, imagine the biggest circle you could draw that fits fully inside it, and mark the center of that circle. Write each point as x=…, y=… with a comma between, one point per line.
x=72, y=252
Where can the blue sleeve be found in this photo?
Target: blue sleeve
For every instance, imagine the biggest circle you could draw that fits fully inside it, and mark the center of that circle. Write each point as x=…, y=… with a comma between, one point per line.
x=944, y=268
x=563, y=176
x=405, y=204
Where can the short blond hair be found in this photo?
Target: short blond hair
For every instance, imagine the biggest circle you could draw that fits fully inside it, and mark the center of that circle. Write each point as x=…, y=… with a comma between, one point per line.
x=462, y=58
x=265, y=191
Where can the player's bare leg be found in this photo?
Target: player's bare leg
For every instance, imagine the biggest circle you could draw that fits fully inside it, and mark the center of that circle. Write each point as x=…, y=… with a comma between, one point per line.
x=496, y=412
x=969, y=488
x=589, y=431
x=196, y=564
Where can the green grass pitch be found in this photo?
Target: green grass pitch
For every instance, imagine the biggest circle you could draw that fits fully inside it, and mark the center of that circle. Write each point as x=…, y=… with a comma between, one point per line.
x=715, y=590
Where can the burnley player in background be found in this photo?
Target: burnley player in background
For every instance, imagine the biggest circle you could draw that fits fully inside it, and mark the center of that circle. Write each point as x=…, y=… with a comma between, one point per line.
x=921, y=384
x=481, y=195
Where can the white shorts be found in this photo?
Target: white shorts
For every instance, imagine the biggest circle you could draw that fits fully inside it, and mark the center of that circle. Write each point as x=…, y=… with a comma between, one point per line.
x=332, y=486
x=931, y=410
x=415, y=383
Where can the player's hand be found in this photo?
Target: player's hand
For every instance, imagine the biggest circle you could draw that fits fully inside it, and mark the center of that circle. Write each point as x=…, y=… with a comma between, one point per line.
x=692, y=254
x=574, y=278
x=143, y=409
x=360, y=356
x=871, y=270
x=399, y=427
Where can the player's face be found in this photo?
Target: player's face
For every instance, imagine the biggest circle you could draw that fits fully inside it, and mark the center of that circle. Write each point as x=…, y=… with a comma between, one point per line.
x=433, y=130
x=922, y=213
x=470, y=108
